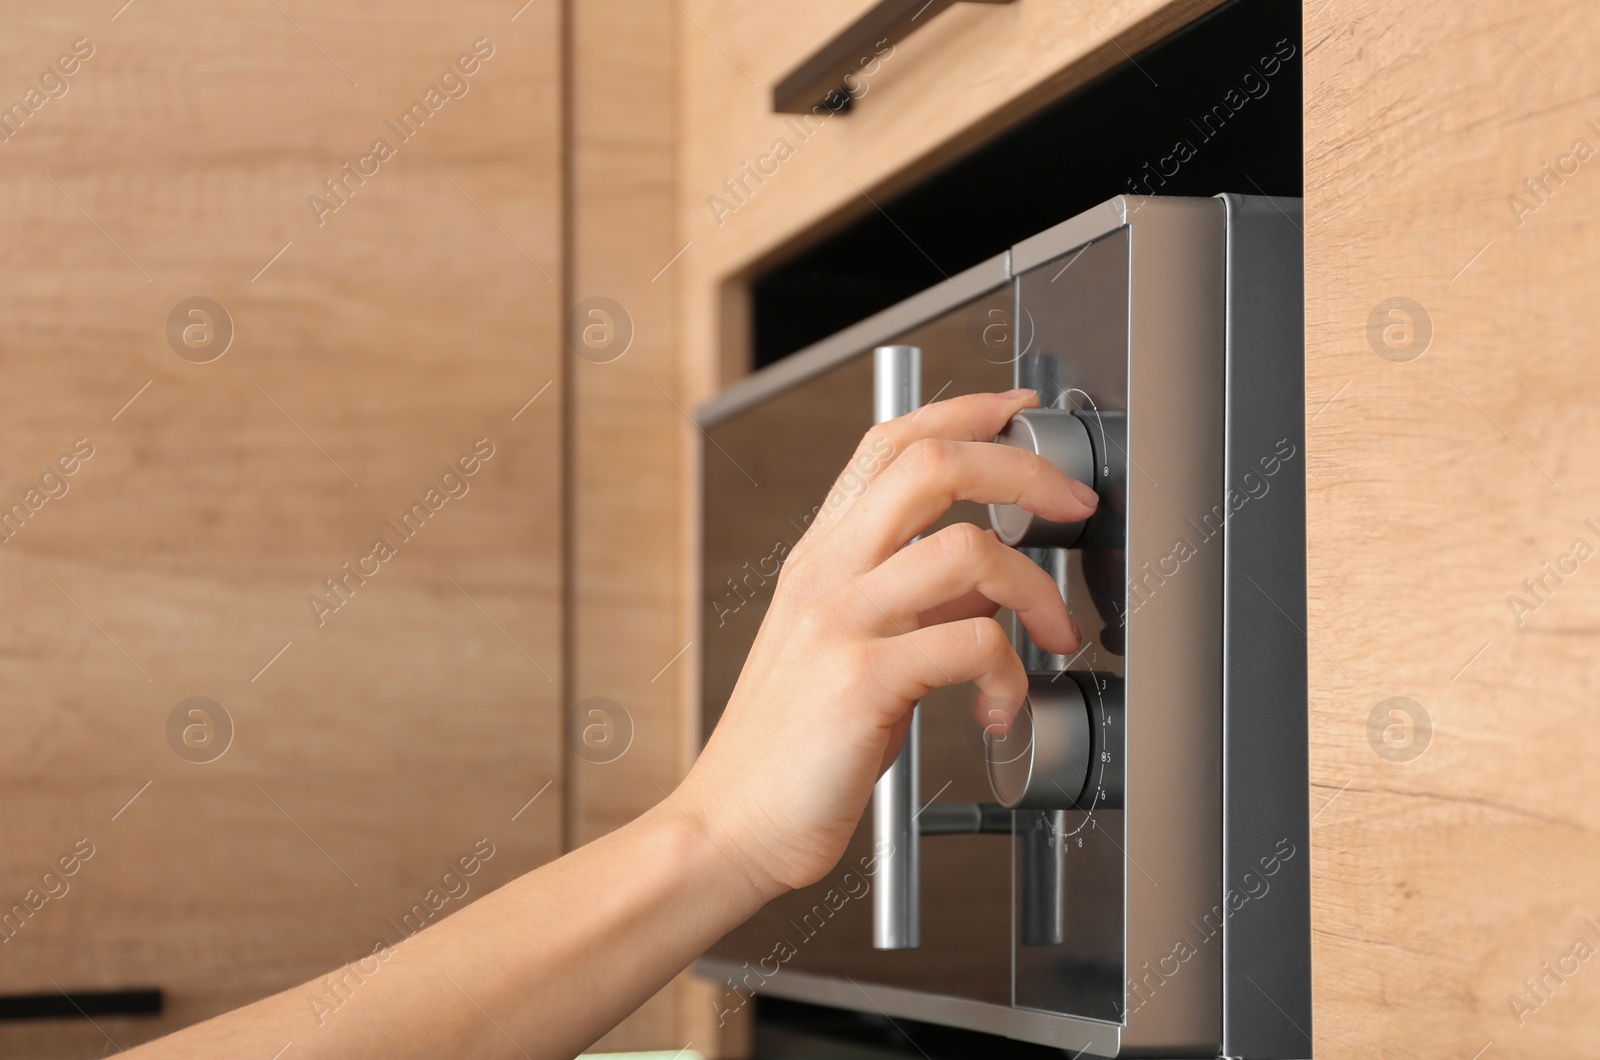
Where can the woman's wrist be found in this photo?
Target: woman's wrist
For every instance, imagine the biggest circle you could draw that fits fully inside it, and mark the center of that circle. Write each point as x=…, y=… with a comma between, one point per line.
x=721, y=838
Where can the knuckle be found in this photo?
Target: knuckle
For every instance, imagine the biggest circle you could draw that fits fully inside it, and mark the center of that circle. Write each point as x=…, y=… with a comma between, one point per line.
x=1037, y=478
x=879, y=441
x=790, y=574
x=887, y=670
x=800, y=574
x=964, y=541
x=1032, y=466
x=810, y=622
x=992, y=638
x=927, y=458
x=822, y=619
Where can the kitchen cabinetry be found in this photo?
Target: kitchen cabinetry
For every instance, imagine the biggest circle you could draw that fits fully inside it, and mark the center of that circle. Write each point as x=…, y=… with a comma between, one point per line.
x=1449, y=209
x=277, y=741
x=1448, y=357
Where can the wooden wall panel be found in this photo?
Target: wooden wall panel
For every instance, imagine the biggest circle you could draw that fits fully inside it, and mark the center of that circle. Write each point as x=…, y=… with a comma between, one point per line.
x=630, y=429
x=1457, y=866
x=631, y=456
x=369, y=353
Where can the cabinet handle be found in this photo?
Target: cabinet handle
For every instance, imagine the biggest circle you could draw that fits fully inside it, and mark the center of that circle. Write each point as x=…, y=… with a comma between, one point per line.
x=825, y=78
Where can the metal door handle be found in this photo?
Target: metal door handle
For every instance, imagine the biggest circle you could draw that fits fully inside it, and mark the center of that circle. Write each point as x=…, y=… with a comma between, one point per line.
x=897, y=900
x=830, y=77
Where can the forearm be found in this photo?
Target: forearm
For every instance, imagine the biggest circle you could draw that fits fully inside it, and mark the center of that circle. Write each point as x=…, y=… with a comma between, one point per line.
x=544, y=966
x=540, y=968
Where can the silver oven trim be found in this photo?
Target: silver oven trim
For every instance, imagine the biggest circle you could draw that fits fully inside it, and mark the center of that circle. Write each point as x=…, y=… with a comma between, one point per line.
x=1267, y=1003
x=1019, y=1024
x=1074, y=232
x=1175, y=451
x=817, y=358
x=1173, y=682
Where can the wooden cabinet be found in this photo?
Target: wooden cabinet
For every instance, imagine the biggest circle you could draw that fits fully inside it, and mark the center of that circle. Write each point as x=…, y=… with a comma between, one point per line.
x=382, y=329
x=1450, y=284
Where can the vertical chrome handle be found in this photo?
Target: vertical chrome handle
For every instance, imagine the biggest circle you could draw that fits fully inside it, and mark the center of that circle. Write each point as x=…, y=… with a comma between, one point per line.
x=897, y=900
x=1041, y=870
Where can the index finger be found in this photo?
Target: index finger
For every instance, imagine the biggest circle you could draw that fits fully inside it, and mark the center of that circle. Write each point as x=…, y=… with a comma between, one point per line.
x=966, y=418
x=935, y=473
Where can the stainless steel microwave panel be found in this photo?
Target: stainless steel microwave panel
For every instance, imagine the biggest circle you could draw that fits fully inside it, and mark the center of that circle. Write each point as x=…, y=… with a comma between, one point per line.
x=1267, y=958
x=1167, y=911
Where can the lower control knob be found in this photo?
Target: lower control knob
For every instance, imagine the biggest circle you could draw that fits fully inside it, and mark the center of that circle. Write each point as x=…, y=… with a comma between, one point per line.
x=1042, y=762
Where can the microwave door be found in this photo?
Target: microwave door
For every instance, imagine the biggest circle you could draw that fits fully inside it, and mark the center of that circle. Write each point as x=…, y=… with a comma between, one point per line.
x=769, y=469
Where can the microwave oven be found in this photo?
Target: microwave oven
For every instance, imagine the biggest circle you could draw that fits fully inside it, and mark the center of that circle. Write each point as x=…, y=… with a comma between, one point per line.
x=1162, y=907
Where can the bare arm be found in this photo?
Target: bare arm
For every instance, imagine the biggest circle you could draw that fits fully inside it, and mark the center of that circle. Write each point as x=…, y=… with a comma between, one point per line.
x=859, y=629
x=539, y=968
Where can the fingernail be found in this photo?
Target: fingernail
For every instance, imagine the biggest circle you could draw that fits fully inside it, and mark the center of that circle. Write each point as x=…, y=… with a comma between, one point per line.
x=1020, y=391
x=1083, y=493
x=1077, y=631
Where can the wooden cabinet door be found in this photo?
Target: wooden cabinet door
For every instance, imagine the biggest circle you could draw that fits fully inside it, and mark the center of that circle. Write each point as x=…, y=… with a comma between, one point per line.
x=1452, y=191
x=278, y=283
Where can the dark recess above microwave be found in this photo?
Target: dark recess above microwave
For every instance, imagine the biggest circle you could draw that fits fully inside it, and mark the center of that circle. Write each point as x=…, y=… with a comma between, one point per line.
x=1216, y=107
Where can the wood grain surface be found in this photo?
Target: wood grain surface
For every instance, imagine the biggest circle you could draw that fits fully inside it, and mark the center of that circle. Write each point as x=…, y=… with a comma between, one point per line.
x=1451, y=191
x=376, y=339
x=1456, y=843
x=630, y=731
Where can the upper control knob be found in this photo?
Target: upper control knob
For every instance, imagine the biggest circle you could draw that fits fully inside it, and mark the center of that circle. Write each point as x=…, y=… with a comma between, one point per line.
x=1063, y=439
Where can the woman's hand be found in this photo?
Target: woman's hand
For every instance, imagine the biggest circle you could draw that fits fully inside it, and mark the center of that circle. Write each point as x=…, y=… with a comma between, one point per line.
x=862, y=626
x=859, y=629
